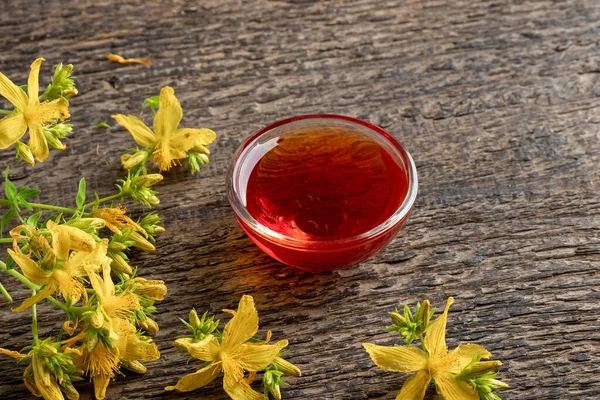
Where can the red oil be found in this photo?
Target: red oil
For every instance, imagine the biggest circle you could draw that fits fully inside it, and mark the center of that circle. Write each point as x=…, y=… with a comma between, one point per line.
x=325, y=184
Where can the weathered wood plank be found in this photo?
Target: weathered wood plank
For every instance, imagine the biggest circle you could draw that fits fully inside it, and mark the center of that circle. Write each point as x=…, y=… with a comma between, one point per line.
x=497, y=101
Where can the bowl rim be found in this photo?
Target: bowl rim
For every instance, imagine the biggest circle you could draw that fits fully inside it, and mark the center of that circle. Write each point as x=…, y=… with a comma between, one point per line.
x=282, y=240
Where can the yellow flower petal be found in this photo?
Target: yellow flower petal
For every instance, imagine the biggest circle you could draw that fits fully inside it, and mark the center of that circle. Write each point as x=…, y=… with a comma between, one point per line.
x=415, y=386
x=206, y=350
x=140, y=132
x=465, y=353
x=12, y=128
x=397, y=359
x=30, y=268
x=50, y=111
x=100, y=384
x=39, y=296
x=12, y=353
x=33, y=85
x=12, y=93
x=137, y=349
x=187, y=138
x=450, y=388
x=435, y=337
x=37, y=141
x=240, y=390
x=198, y=379
x=168, y=116
x=242, y=326
x=256, y=357
x=68, y=286
x=97, y=258
x=65, y=238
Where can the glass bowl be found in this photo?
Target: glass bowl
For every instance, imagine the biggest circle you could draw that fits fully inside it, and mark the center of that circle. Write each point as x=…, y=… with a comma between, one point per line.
x=304, y=251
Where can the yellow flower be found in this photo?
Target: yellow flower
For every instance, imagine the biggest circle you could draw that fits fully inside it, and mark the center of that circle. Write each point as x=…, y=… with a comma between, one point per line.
x=30, y=113
x=101, y=362
x=64, y=279
x=233, y=355
x=169, y=142
x=116, y=218
x=436, y=363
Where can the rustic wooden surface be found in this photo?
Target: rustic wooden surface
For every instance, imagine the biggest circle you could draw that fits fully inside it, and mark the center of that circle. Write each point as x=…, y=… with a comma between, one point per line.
x=499, y=103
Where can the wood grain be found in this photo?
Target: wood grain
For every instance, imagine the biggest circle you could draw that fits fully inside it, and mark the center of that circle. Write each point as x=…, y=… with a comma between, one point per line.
x=498, y=102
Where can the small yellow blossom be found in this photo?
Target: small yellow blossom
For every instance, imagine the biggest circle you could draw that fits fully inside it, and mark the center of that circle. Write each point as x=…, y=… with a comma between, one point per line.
x=29, y=113
x=64, y=279
x=232, y=356
x=116, y=218
x=435, y=363
x=169, y=142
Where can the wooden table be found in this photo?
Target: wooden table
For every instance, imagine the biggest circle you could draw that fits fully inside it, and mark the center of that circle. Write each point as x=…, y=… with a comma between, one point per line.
x=498, y=102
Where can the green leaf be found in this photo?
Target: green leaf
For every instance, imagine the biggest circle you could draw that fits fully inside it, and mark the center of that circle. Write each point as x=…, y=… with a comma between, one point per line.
x=152, y=102
x=101, y=125
x=34, y=219
x=10, y=263
x=27, y=193
x=24, y=88
x=24, y=203
x=10, y=189
x=80, y=198
x=6, y=218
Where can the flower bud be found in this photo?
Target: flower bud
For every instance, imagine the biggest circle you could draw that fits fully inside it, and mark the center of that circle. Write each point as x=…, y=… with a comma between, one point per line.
x=24, y=153
x=134, y=366
x=397, y=318
x=286, y=367
x=423, y=315
x=97, y=319
x=47, y=350
x=149, y=325
x=153, y=289
x=70, y=93
x=140, y=242
x=120, y=264
x=53, y=141
x=153, y=200
x=194, y=320
x=129, y=161
x=116, y=246
x=147, y=181
x=85, y=223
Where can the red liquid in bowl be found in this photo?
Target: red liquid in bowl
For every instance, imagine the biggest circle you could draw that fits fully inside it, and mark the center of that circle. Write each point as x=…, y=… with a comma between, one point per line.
x=321, y=192
x=322, y=186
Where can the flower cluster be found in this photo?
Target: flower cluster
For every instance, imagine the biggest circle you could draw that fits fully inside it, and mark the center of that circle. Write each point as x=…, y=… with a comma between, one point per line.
x=79, y=263
x=459, y=374
x=42, y=116
x=236, y=353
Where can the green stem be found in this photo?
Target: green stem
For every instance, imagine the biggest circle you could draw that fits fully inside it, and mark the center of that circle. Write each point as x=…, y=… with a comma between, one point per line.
x=6, y=240
x=5, y=293
x=19, y=276
x=44, y=207
x=105, y=199
x=34, y=325
x=6, y=112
